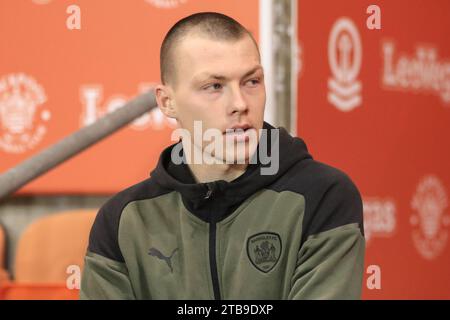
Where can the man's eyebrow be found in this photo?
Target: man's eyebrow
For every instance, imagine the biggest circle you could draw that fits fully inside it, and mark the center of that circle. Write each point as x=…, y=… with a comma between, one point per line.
x=206, y=76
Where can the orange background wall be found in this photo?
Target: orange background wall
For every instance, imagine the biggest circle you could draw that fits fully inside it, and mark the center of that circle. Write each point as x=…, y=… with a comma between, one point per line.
x=395, y=142
x=72, y=77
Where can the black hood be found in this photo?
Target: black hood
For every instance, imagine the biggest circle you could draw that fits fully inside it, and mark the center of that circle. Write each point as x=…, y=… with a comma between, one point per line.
x=219, y=198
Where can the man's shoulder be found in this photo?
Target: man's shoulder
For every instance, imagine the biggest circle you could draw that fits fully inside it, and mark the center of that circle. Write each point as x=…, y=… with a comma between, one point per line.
x=103, y=238
x=313, y=177
x=145, y=189
x=332, y=198
x=334, y=204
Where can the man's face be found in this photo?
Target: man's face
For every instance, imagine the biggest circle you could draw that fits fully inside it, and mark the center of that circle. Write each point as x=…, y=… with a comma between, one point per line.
x=221, y=84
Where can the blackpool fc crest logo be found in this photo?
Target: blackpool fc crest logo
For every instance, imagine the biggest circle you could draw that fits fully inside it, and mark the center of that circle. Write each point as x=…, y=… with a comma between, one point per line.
x=166, y=4
x=21, y=123
x=430, y=222
x=264, y=250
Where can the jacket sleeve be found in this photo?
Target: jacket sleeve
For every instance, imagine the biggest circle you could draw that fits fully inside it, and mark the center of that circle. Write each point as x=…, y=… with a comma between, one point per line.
x=105, y=273
x=330, y=262
x=104, y=279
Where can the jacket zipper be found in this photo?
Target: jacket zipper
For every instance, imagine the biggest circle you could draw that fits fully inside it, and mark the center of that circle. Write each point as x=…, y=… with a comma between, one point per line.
x=212, y=247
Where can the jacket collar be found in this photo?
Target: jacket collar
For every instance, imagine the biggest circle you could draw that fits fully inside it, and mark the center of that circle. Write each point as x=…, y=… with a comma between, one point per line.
x=221, y=196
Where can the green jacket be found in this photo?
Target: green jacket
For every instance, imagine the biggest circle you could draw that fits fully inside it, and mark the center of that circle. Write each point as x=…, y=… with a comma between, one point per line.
x=297, y=234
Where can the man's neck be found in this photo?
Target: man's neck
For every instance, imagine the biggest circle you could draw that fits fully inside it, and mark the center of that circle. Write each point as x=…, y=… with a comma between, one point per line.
x=205, y=172
x=212, y=172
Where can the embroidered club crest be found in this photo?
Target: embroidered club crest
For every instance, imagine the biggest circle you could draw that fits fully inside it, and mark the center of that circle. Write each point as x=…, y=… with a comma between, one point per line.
x=264, y=250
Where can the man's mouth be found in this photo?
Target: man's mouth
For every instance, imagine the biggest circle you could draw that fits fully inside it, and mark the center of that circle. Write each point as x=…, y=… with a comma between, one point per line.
x=239, y=134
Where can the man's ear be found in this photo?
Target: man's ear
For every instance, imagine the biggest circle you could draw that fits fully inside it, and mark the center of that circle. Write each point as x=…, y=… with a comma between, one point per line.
x=165, y=101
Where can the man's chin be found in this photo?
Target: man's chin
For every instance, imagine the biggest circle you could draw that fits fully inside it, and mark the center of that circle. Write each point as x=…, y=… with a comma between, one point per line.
x=238, y=157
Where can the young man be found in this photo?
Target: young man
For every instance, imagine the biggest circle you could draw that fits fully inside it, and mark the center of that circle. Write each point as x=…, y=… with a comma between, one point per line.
x=225, y=229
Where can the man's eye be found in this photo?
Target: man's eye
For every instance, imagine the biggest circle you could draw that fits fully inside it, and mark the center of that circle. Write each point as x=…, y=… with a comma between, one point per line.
x=253, y=82
x=213, y=87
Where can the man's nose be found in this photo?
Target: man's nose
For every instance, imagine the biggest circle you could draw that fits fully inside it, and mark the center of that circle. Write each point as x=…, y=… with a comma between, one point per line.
x=238, y=102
